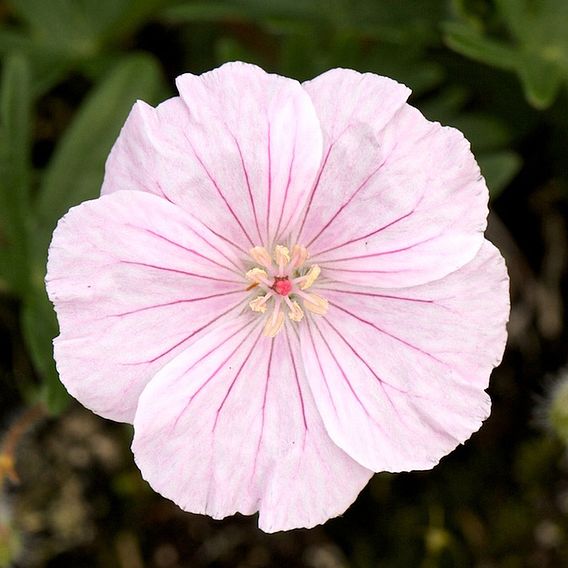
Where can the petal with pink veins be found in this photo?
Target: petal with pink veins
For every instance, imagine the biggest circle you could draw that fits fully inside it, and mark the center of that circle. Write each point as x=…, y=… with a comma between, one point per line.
x=230, y=426
x=133, y=279
x=398, y=375
x=399, y=200
x=240, y=149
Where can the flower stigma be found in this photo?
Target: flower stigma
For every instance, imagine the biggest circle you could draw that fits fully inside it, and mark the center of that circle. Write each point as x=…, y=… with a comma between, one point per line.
x=282, y=279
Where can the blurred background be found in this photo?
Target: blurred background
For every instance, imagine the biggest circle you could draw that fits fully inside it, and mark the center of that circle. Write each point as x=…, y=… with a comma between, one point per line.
x=70, y=495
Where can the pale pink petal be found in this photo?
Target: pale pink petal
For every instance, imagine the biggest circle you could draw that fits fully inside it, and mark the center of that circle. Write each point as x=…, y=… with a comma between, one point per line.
x=399, y=375
x=133, y=279
x=400, y=200
x=230, y=426
x=240, y=148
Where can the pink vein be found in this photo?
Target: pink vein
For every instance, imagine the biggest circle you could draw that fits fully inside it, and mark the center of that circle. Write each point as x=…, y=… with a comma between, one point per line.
x=191, y=251
x=263, y=406
x=221, y=195
x=373, y=295
x=399, y=339
x=321, y=368
x=215, y=248
x=381, y=253
x=348, y=382
x=269, y=187
x=187, y=338
x=177, y=271
x=316, y=184
x=360, y=357
x=277, y=232
x=313, y=191
x=175, y=302
x=383, y=384
x=240, y=249
x=215, y=372
x=233, y=382
x=400, y=271
x=435, y=302
x=245, y=172
x=164, y=194
x=300, y=394
x=342, y=207
x=376, y=231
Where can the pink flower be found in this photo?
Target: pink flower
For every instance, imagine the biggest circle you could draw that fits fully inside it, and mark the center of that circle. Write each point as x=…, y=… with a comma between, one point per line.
x=285, y=288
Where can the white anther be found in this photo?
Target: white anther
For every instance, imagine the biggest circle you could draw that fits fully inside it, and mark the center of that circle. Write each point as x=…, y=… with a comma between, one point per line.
x=256, y=275
x=299, y=256
x=274, y=323
x=282, y=258
x=259, y=303
x=315, y=304
x=310, y=277
x=261, y=256
x=296, y=313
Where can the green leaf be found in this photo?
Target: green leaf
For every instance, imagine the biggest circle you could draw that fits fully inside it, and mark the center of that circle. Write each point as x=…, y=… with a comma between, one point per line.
x=229, y=49
x=514, y=14
x=54, y=23
x=541, y=80
x=12, y=40
x=469, y=42
x=539, y=24
x=39, y=327
x=538, y=52
x=485, y=132
x=445, y=105
x=74, y=175
x=47, y=63
x=72, y=25
x=15, y=110
x=256, y=10
x=76, y=170
x=499, y=168
x=133, y=14
x=15, y=118
x=203, y=11
x=81, y=28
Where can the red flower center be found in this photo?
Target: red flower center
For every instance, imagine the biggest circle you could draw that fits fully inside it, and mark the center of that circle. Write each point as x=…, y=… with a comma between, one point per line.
x=282, y=286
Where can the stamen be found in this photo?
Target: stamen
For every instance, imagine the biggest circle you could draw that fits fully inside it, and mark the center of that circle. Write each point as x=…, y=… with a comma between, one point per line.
x=277, y=276
x=281, y=254
x=315, y=304
x=296, y=313
x=299, y=256
x=257, y=275
x=282, y=258
x=261, y=256
x=259, y=303
x=275, y=322
x=310, y=277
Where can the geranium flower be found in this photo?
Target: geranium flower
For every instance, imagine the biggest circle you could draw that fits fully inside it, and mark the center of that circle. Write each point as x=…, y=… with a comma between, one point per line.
x=285, y=288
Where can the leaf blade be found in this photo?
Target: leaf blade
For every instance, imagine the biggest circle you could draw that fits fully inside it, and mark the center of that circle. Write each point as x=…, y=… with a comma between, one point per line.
x=76, y=170
x=15, y=147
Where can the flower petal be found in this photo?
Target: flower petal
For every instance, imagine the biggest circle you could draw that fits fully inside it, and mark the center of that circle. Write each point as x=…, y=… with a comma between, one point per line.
x=133, y=278
x=240, y=146
x=230, y=426
x=399, y=375
x=400, y=200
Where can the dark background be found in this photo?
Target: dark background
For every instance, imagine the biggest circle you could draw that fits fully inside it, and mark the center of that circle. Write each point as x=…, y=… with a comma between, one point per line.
x=70, y=495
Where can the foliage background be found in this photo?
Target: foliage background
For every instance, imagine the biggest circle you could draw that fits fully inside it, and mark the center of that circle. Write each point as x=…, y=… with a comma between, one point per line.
x=496, y=69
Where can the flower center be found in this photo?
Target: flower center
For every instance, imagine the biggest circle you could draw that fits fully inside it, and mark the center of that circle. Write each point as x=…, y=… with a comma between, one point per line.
x=282, y=285
x=282, y=279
